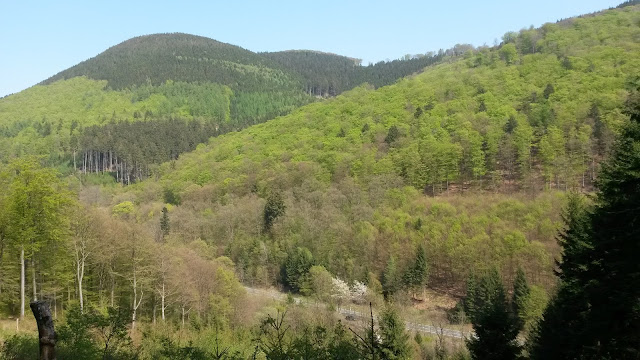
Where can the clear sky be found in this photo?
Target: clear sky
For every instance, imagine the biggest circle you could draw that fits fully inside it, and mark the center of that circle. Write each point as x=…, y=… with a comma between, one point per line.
x=40, y=38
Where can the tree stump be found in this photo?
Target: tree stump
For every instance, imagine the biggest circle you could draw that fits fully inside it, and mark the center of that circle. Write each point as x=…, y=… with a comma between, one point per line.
x=46, y=332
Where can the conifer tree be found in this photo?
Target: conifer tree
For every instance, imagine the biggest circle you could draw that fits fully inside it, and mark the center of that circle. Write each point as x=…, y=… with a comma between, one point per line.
x=394, y=340
x=494, y=325
x=558, y=334
x=273, y=209
x=520, y=294
x=470, y=298
x=416, y=275
x=164, y=222
x=595, y=313
x=613, y=286
x=390, y=278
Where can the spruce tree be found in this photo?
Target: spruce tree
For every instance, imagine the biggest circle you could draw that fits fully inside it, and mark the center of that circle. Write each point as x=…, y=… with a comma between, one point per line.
x=558, y=334
x=164, y=222
x=613, y=288
x=273, y=209
x=495, y=328
x=416, y=275
x=394, y=340
x=470, y=298
x=596, y=313
x=390, y=278
x=520, y=294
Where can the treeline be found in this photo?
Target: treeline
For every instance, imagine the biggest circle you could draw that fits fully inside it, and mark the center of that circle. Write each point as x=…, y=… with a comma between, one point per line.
x=327, y=75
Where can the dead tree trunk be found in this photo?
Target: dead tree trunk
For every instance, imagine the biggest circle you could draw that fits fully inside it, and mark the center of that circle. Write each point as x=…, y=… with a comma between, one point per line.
x=46, y=332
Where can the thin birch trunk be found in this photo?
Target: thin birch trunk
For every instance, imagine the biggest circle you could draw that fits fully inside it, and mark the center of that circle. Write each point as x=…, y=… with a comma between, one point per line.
x=22, y=282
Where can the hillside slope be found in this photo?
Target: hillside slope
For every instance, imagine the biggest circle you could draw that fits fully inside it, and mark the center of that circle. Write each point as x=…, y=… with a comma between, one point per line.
x=176, y=84
x=154, y=59
x=538, y=112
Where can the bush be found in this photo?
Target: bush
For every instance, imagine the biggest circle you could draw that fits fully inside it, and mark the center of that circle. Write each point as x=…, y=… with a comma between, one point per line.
x=19, y=347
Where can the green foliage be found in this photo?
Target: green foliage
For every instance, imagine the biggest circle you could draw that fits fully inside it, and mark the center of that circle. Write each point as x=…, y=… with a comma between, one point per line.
x=152, y=59
x=521, y=292
x=319, y=283
x=392, y=135
x=563, y=323
x=123, y=209
x=296, y=268
x=394, y=339
x=273, y=209
x=96, y=335
x=494, y=326
x=390, y=278
x=509, y=53
x=416, y=276
x=20, y=347
x=165, y=225
x=173, y=351
x=599, y=270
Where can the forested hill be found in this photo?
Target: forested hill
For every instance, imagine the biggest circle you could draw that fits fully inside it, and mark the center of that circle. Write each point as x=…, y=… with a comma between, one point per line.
x=83, y=118
x=539, y=112
x=154, y=59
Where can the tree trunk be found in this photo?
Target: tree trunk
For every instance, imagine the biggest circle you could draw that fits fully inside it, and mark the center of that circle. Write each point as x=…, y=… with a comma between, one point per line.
x=33, y=273
x=113, y=288
x=46, y=331
x=80, y=291
x=22, y=282
x=162, y=297
x=136, y=301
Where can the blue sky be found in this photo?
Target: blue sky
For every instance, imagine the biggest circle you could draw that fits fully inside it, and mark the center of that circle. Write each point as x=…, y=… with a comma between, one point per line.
x=41, y=38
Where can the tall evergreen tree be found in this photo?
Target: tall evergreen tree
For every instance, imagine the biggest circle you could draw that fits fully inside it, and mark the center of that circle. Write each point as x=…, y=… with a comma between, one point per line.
x=613, y=287
x=390, y=278
x=470, y=298
x=558, y=334
x=520, y=294
x=416, y=275
x=394, y=340
x=494, y=325
x=273, y=209
x=164, y=222
x=596, y=313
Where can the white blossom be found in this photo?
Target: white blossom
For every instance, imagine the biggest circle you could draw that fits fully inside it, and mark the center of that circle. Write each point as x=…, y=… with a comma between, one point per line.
x=359, y=292
x=341, y=289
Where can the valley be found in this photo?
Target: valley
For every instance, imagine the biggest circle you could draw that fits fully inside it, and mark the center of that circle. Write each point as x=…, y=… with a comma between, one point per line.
x=176, y=197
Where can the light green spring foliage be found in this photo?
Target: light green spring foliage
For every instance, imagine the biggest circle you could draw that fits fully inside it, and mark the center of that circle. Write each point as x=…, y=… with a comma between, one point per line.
x=44, y=119
x=587, y=61
x=481, y=120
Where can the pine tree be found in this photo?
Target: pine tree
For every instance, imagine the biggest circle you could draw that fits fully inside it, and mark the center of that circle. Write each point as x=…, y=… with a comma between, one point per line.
x=164, y=222
x=520, y=294
x=394, y=340
x=595, y=313
x=273, y=209
x=470, y=298
x=613, y=288
x=390, y=278
x=494, y=326
x=416, y=275
x=558, y=334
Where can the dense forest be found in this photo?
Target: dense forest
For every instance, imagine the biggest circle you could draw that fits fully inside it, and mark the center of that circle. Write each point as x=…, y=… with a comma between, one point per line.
x=214, y=86
x=490, y=195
